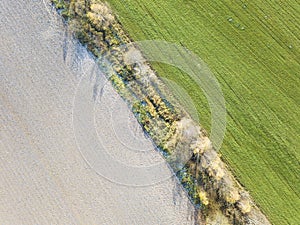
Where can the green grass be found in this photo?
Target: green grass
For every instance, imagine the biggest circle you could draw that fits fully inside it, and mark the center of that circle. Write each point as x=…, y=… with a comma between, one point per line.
x=253, y=49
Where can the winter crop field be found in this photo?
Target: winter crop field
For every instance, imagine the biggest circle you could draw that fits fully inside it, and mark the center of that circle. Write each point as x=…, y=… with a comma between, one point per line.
x=253, y=49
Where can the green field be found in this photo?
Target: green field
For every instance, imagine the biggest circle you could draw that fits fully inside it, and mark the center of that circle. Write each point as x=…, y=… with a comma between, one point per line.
x=253, y=49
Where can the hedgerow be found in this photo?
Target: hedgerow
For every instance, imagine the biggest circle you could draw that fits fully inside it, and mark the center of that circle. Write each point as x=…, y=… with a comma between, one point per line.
x=205, y=177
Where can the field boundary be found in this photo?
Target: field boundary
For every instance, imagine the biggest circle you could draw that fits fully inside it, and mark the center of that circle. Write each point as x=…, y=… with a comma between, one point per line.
x=206, y=178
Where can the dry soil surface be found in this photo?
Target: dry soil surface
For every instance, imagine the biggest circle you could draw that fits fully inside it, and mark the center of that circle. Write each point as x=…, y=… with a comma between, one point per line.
x=70, y=150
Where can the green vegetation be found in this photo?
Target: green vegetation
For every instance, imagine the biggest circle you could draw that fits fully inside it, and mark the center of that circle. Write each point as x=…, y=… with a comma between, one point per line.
x=209, y=184
x=253, y=48
x=260, y=85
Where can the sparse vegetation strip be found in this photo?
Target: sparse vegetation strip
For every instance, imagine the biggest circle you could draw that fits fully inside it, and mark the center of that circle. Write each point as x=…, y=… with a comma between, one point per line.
x=208, y=182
